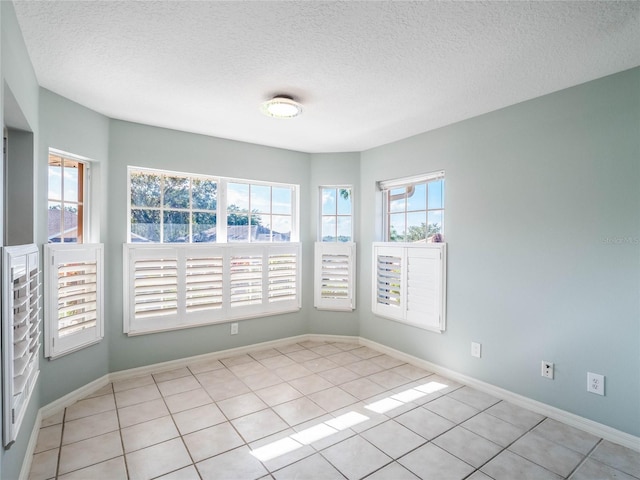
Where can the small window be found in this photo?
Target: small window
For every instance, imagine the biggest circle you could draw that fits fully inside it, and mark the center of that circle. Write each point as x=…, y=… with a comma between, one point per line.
x=336, y=224
x=414, y=209
x=67, y=199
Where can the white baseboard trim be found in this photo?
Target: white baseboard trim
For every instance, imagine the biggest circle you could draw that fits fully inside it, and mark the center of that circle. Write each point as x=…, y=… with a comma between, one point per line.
x=31, y=448
x=571, y=419
x=595, y=428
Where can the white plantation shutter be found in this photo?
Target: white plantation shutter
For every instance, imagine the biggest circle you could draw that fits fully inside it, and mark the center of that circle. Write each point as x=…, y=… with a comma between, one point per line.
x=389, y=284
x=409, y=283
x=283, y=276
x=246, y=270
x=203, y=283
x=178, y=286
x=74, y=297
x=334, y=268
x=425, y=284
x=20, y=334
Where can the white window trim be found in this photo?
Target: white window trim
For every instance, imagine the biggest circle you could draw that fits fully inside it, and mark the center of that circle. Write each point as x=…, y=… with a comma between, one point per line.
x=335, y=285
x=221, y=204
x=427, y=293
x=321, y=215
x=179, y=316
x=90, y=210
x=56, y=256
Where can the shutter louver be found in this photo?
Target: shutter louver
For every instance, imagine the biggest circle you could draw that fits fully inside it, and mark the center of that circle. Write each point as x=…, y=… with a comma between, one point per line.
x=77, y=297
x=155, y=287
x=245, y=280
x=334, y=276
x=283, y=273
x=389, y=280
x=203, y=283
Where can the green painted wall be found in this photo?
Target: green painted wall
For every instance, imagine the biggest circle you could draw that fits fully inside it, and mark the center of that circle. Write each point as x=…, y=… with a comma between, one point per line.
x=19, y=101
x=143, y=146
x=543, y=232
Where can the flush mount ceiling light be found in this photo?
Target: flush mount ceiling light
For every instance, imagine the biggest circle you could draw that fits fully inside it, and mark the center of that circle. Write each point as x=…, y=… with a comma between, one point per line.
x=281, y=106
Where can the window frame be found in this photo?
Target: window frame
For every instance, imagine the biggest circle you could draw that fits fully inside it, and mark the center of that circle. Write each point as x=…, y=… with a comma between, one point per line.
x=337, y=215
x=84, y=198
x=385, y=188
x=221, y=210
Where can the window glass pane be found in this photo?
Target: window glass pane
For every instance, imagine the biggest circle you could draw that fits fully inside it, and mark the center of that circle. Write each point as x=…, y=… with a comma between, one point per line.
x=417, y=197
x=55, y=182
x=328, y=201
x=145, y=225
x=328, y=229
x=416, y=226
x=54, y=231
x=70, y=181
x=260, y=198
x=238, y=196
x=145, y=190
x=281, y=200
x=281, y=228
x=397, y=200
x=436, y=190
x=237, y=228
x=435, y=222
x=176, y=192
x=204, y=194
x=344, y=229
x=204, y=227
x=396, y=227
x=344, y=201
x=176, y=226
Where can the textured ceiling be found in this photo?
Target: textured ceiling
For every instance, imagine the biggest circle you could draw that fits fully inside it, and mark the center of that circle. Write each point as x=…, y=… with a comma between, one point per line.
x=367, y=73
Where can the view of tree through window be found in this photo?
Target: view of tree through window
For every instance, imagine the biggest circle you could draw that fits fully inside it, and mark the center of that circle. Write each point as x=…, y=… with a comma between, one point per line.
x=65, y=200
x=172, y=208
x=416, y=212
x=337, y=220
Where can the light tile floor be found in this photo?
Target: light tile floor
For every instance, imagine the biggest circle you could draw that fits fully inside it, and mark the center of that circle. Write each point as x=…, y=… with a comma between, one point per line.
x=313, y=410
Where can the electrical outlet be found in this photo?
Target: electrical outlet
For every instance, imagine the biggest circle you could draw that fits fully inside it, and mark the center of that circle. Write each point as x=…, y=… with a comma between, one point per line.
x=234, y=329
x=476, y=349
x=547, y=370
x=595, y=383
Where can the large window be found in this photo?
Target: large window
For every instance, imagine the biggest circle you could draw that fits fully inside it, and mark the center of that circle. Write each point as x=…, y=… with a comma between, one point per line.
x=66, y=213
x=170, y=207
x=414, y=208
x=205, y=250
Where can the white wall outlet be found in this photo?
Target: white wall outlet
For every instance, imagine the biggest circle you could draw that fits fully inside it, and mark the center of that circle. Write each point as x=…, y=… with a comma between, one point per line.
x=595, y=383
x=547, y=370
x=234, y=329
x=476, y=349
